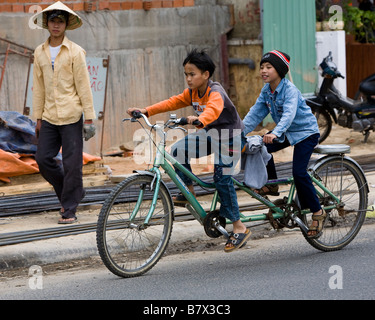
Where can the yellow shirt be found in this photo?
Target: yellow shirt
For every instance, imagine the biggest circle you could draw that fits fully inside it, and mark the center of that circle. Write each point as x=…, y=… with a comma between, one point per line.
x=60, y=96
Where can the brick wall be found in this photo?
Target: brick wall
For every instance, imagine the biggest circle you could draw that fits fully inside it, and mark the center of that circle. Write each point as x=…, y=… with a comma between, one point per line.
x=94, y=5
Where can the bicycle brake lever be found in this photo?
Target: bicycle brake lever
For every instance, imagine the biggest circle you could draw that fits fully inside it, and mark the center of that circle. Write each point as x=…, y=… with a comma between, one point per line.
x=134, y=119
x=175, y=127
x=183, y=129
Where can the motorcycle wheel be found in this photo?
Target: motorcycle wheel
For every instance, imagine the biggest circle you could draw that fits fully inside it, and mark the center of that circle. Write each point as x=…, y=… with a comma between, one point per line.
x=324, y=122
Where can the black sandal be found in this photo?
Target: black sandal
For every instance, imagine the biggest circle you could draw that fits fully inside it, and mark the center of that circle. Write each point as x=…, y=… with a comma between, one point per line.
x=272, y=190
x=240, y=240
x=67, y=220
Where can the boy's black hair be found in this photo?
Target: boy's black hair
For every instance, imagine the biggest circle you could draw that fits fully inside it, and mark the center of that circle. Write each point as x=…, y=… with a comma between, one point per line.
x=201, y=60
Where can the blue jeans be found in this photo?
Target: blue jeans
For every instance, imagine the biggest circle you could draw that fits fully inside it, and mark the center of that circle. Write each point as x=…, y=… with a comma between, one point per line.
x=301, y=156
x=227, y=153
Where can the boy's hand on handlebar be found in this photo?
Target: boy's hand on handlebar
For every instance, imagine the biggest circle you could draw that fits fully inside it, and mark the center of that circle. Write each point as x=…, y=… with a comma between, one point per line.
x=269, y=137
x=191, y=119
x=131, y=110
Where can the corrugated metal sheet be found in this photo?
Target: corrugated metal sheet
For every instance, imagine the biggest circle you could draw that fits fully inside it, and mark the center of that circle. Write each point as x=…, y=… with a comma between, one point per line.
x=289, y=26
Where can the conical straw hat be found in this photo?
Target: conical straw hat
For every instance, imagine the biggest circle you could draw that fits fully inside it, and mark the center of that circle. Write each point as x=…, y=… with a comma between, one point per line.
x=40, y=18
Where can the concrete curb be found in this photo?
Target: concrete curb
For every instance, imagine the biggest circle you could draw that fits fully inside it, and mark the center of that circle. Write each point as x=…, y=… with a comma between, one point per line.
x=81, y=246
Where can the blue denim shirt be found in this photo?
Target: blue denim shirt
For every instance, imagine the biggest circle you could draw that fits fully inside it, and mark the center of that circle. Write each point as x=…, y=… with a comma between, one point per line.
x=288, y=109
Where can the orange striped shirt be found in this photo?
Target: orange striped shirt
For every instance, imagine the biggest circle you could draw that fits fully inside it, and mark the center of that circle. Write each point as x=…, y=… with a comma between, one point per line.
x=214, y=108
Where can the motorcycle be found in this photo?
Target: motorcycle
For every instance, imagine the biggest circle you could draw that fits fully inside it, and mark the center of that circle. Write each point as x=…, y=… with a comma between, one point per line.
x=329, y=105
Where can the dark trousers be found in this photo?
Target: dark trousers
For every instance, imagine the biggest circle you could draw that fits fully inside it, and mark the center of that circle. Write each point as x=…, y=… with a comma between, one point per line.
x=301, y=156
x=65, y=177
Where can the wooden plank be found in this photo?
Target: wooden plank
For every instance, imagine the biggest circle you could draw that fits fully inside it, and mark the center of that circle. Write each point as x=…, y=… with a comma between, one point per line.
x=44, y=186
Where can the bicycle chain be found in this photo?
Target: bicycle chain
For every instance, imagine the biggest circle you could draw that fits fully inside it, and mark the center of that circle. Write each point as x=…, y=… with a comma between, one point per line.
x=286, y=221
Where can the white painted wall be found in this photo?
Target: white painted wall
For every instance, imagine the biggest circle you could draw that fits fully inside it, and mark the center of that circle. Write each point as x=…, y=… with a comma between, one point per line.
x=334, y=41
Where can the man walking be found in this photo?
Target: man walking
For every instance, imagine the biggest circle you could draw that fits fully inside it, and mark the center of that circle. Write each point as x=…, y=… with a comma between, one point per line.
x=62, y=98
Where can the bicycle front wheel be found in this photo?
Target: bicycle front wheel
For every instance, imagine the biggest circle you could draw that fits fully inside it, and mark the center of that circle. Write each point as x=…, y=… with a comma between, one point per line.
x=128, y=244
x=346, y=181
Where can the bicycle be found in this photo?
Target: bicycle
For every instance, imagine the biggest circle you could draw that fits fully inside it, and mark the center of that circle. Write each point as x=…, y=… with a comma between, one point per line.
x=135, y=223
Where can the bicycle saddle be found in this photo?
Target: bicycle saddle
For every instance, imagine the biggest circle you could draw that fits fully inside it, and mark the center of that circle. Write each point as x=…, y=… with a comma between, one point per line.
x=332, y=149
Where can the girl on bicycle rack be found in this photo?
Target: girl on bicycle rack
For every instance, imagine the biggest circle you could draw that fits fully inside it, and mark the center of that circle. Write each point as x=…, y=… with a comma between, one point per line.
x=221, y=134
x=295, y=125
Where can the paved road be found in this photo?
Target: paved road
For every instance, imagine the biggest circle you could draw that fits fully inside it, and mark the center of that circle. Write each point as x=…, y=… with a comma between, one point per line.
x=283, y=267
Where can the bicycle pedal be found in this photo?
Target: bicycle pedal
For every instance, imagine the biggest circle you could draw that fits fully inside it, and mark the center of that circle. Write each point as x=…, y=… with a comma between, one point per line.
x=222, y=231
x=300, y=223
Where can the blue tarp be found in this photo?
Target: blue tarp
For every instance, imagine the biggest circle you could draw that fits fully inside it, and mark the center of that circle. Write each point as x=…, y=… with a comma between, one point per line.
x=17, y=133
x=18, y=145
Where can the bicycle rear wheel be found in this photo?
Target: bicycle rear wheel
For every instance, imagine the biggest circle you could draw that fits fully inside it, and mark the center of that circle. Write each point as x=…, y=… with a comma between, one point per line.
x=346, y=181
x=127, y=245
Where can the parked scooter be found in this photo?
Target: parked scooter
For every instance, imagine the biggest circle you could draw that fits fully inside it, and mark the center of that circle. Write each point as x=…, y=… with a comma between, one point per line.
x=329, y=105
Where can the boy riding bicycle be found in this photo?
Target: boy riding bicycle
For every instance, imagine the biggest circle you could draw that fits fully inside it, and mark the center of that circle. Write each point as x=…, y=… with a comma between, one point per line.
x=221, y=134
x=295, y=125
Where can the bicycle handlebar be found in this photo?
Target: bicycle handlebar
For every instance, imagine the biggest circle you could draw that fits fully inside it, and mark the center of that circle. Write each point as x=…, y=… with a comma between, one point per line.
x=182, y=121
x=137, y=114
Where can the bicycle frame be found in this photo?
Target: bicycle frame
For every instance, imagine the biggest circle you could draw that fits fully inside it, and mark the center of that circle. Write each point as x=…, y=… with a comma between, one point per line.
x=164, y=160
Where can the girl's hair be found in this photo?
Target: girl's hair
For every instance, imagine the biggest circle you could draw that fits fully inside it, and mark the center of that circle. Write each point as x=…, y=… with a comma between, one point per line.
x=201, y=60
